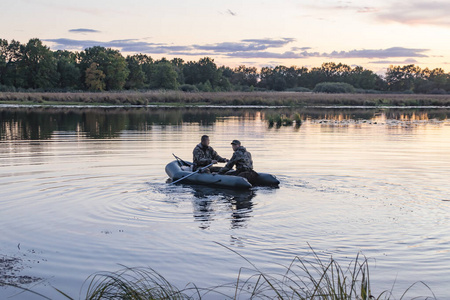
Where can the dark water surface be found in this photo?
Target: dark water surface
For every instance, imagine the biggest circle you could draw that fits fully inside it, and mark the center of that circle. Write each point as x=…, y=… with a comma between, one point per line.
x=83, y=190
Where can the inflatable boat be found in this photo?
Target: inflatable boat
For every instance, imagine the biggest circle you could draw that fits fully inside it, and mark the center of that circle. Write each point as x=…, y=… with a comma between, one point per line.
x=177, y=170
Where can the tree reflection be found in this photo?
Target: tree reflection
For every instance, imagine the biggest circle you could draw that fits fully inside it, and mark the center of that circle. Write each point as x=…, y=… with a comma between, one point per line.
x=208, y=200
x=36, y=123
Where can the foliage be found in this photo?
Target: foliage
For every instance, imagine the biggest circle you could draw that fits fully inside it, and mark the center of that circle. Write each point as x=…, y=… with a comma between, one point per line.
x=33, y=66
x=334, y=88
x=95, y=78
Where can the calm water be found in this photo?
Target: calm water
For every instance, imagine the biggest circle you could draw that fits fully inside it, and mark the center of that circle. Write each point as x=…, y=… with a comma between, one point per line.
x=83, y=190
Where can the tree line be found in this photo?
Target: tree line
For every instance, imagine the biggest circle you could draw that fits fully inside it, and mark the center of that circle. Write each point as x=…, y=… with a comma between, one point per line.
x=34, y=66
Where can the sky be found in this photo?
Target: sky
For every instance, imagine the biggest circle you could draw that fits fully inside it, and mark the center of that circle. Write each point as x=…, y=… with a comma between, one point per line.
x=371, y=34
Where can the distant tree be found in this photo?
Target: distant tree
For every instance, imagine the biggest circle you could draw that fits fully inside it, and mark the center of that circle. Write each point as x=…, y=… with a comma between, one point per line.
x=362, y=78
x=95, y=78
x=68, y=69
x=116, y=71
x=200, y=72
x=402, y=78
x=245, y=76
x=147, y=66
x=38, y=66
x=165, y=76
x=273, y=78
x=12, y=54
x=178, y=64
x=136, y=77
x=110, y=62
x=3, y=59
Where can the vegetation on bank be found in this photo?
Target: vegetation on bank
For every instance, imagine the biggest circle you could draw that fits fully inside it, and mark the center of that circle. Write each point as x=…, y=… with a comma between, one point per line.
x=179, y=98
x=35, y=67
x=303, y=279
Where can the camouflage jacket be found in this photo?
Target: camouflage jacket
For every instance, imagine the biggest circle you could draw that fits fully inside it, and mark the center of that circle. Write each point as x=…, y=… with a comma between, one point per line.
x=204, y=155
x=242, y=159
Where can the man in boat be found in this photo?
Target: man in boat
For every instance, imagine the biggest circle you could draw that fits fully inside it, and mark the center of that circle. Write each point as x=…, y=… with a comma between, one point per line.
x=242, y=159
x=205, y=155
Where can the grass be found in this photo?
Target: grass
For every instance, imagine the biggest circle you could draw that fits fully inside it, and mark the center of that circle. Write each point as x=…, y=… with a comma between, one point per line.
x=283, y=120
x=179, y=98
x=303, y=279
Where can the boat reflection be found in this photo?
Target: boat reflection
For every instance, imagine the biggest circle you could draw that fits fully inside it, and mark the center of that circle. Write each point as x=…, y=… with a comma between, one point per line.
x=209, y=202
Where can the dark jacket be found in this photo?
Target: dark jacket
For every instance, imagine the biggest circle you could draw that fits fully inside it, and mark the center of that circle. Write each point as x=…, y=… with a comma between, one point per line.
x=242, y=159
x=203, y=155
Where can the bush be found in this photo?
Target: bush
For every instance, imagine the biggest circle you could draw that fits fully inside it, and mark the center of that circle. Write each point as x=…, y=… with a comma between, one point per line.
x=299, y=89
x=334, y=88
x=188, y=88
x=6, y=88
x=437, y=91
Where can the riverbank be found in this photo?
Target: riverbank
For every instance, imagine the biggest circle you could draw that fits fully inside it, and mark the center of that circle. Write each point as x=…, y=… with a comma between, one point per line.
x=179, y=98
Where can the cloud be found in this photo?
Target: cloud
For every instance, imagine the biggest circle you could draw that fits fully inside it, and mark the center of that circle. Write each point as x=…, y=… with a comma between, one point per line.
x=270, y=42
x=226, y=48
x=300, y=48
x=392, y=62
x=84, y=30
x=379, y=53
x=415, y=12
x=264, y=54
x=246, y=49
x=245, y=45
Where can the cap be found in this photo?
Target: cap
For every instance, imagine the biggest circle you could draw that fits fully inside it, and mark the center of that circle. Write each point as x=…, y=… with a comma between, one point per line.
x=236, y=142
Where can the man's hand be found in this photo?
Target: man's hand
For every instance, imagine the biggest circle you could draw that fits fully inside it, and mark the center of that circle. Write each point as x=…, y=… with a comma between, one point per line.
x=214, y=161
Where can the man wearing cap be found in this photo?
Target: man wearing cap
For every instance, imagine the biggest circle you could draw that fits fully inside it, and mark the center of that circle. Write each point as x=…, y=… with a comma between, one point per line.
x=242, y=159
x=205, y=155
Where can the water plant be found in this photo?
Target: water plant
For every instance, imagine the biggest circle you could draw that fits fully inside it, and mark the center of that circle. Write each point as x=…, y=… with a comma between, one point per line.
x=303, y=279
x=283, y=120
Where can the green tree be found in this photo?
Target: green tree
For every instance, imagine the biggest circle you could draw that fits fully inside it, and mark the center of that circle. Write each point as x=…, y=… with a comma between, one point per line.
x=136, y=78
x=402, y=78
x=165, y=76
x=38, y=65
x=200, y=72
x=95, y=78
x=245, y=76
x=68, y=69
x=110, y=62
x=11, y=55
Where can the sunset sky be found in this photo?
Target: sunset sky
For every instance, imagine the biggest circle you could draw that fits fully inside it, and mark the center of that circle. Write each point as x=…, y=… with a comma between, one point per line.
x=373, y=34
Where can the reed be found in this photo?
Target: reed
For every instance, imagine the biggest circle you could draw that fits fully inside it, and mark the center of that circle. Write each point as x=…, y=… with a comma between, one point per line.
x=283, y=120
x=224, y=98
x=303, y=279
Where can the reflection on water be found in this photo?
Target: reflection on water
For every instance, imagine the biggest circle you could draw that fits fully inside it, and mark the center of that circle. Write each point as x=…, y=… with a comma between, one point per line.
x=84, y=190
x=208, y=200
x=99, y=123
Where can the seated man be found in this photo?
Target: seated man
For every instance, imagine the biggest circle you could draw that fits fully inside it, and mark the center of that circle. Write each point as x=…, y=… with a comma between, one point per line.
x=243, y=161
x=205, y=155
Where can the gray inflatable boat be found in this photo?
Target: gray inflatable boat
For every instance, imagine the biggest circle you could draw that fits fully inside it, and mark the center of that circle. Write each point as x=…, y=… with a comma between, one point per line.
x=177, y=170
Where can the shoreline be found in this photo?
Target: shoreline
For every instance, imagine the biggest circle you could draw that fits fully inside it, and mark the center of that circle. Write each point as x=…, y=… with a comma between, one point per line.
x=223, y=99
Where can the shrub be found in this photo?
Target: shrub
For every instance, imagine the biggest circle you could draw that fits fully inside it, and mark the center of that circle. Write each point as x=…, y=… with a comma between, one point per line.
x=188, y=88
x=299, y=89
x=334, y=88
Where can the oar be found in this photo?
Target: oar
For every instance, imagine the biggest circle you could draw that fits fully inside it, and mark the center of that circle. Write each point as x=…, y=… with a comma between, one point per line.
x=201, y=169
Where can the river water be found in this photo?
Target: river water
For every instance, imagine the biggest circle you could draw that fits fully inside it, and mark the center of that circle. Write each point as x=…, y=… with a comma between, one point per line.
x=84, y=190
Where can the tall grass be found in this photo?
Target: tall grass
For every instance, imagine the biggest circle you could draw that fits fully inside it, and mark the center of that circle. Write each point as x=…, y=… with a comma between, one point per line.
x=303, y=279
x=225, y=98
x=283, y=119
